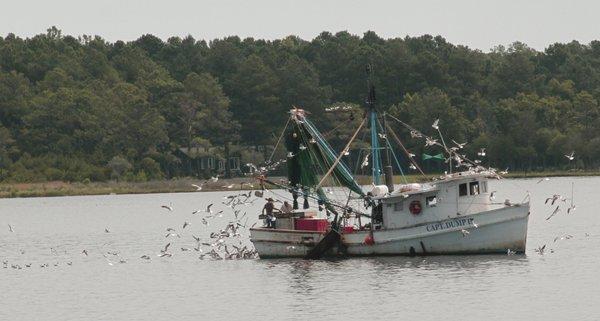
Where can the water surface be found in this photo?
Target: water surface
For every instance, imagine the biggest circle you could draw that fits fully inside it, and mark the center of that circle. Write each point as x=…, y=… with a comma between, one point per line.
x=562, y=284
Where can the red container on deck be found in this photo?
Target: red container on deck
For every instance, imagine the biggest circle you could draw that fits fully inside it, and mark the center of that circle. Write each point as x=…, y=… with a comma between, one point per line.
x=348, y=229
x=311, y=224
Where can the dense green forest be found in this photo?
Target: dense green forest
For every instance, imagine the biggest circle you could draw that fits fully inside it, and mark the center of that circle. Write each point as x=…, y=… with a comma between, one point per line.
x=79, y=109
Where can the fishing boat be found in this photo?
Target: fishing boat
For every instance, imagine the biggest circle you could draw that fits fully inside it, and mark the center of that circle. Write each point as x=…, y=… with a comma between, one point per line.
x=454, y=213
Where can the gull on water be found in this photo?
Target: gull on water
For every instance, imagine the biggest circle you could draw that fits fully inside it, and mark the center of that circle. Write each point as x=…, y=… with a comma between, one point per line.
x=543, y=179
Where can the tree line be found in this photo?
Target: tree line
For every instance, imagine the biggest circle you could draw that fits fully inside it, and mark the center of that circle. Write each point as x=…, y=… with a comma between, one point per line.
x=85, y=109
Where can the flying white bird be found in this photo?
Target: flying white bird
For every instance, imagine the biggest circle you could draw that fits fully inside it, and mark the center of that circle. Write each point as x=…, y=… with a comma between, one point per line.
x=481, y=152
x=435, y=124
x=430, y=141
x=198, y=187
x=459, y=145
x=168, y=207
x=571, y=157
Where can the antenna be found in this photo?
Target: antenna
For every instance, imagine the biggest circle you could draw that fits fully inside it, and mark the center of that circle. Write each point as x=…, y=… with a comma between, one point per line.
x=376, y=158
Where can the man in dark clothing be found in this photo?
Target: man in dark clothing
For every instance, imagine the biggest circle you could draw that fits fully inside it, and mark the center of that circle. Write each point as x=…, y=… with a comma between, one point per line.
x=269, y=207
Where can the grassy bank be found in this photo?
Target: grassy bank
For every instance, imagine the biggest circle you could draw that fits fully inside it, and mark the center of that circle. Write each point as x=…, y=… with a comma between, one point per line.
x=8, y=190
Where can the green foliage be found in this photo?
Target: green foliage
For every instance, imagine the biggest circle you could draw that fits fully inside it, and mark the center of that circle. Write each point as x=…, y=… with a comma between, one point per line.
x=69, y=105
x=118, y=166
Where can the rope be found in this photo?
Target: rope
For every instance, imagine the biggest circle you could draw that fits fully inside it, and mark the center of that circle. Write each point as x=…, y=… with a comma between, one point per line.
x=337, y=160
x=404, y=149
x=279, y=140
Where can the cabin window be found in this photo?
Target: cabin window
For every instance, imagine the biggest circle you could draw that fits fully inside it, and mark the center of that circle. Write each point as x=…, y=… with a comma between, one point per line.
x=462, y=190
x=431, y=201
x=484, y=187
x=398, y=206
x=474, y=188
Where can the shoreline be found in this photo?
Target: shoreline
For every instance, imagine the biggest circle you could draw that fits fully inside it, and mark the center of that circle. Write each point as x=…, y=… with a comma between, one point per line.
x=184, y=185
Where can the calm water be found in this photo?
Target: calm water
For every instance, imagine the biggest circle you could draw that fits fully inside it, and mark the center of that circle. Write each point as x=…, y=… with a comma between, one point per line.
x=560, y=285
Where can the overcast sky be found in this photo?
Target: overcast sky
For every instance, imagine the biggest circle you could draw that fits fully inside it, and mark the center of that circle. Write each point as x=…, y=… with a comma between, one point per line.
x=477, y=24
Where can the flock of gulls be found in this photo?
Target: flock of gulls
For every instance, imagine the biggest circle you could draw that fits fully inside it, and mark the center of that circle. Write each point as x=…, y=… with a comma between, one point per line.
x=221, y=243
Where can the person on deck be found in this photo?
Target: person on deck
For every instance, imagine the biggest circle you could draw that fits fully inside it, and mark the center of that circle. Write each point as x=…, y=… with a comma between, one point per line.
x=286, y=208
x=268, y=208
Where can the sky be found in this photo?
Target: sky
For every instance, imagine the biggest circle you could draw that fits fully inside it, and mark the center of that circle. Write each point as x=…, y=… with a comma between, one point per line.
x=477, y=24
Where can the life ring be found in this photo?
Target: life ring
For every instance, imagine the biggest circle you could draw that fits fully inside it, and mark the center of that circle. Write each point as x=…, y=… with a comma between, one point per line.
x=415, y=207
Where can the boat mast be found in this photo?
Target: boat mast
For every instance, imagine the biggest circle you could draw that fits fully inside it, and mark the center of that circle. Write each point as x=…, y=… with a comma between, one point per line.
x=375, y=148
x=375, y=154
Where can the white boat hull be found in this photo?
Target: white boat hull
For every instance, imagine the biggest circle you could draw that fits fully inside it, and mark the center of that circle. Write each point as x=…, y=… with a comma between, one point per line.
x=494, y=231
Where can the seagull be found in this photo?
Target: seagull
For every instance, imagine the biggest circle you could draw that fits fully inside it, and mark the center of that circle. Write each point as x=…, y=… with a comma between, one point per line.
x=430, y=141
x=84, y=252
x=435, y=124
x=411, y=155
x=145, y=257
x=365, y=161
x=208, y=210
x=168, y=207
x=10, y=228
x=214, y=179
x=172, y=234
x=504, y=172
x=382, y=136
x=302, y=147
x=465, y=232
x=413, y=167
x=540, y=250
x=415, y=134
x=198, y=187
x=166, y=248
x=459, y=145
x=196, y=238
x=543, y=179
x=571, y=209
x=510, y=252
x=571, y=157
x=163, y=254
x=554, y=198
x=170, y=229
x=106, y=230
x=290, y=155
x=185, y=224
x=492, y=195
x=560, y=238
x=481, y=152
x=556, y=210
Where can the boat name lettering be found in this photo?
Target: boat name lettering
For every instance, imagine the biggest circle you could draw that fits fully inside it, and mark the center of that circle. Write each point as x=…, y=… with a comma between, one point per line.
x=449, y=224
